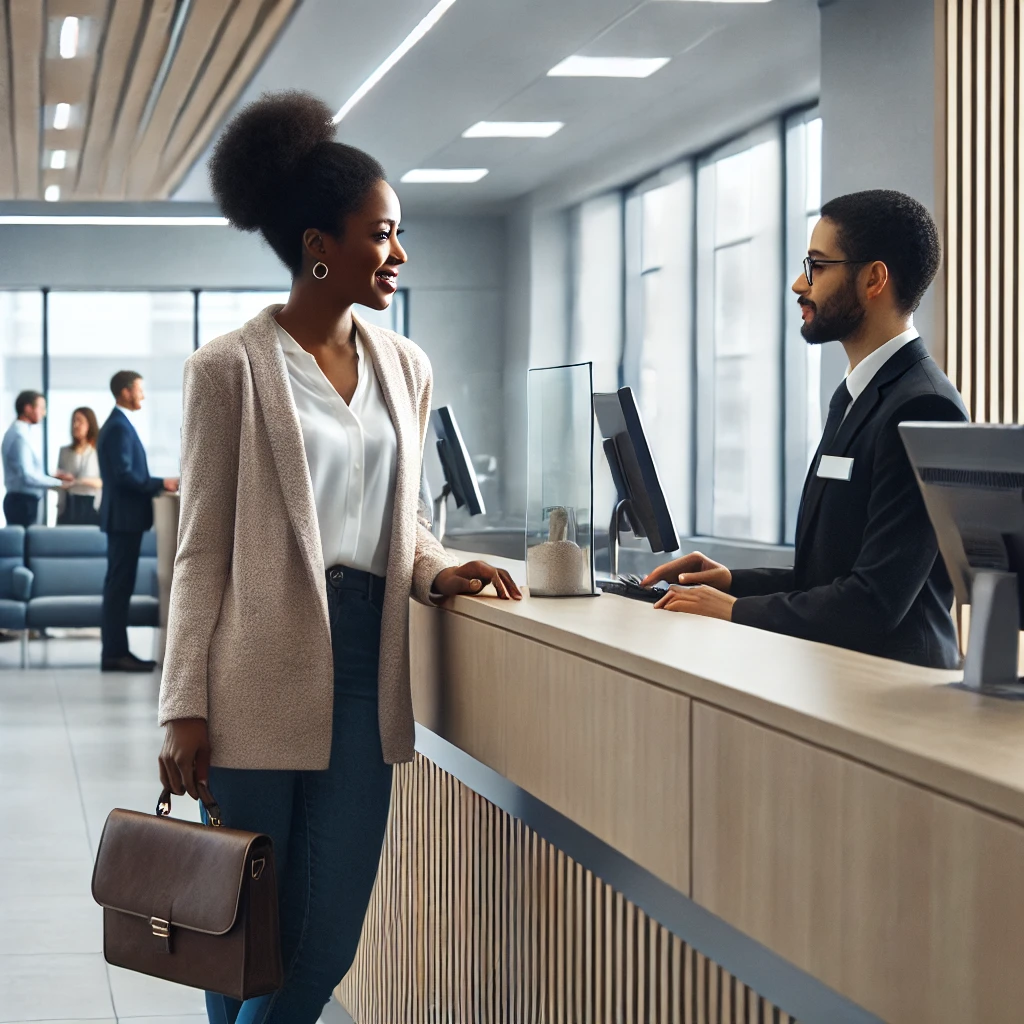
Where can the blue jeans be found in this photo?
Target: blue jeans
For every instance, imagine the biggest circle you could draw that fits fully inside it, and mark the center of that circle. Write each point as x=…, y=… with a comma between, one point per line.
x=328, y=830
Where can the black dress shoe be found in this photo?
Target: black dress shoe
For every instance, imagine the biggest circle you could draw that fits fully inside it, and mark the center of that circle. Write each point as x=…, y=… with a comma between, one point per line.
x=127, y=663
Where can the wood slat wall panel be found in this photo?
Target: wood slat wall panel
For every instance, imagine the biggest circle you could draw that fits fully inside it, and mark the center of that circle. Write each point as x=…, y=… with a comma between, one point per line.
x=984, y=113
x=238, y=28
x=477, y=920
x=27, y=24
x=145, y=66
x=8, y=174
x=119, y=42
x=198, y=39
x=272, y=23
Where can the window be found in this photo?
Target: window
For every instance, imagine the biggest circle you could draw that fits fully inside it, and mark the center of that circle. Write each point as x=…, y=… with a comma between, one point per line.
x=21, y=354
x=803, y=361
x=739, y=339
x=221, y=312
x=659, y=355
x=92, y=335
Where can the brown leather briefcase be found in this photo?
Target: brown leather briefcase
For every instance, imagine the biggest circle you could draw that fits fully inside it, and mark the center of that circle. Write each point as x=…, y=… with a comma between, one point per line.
x=189, y=903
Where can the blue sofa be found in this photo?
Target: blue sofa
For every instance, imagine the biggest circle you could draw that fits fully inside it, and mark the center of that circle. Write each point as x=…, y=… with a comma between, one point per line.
x=15, y=584
x=68, y=565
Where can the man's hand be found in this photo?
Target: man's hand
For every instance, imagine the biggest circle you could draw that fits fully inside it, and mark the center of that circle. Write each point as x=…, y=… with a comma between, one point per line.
x=171, y=485
x=692, y=569
x=64, y=476
x=472, y=577
x=698, y=601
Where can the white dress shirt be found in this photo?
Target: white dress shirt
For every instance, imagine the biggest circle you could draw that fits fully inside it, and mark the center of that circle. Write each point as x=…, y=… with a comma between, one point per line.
x=862, y=374
x=352, y=454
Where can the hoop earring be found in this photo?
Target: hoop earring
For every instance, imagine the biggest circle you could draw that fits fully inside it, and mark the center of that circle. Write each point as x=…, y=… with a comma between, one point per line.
x=322, y=268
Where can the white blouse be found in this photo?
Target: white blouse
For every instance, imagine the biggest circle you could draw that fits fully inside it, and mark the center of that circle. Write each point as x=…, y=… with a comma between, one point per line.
x=352, y=454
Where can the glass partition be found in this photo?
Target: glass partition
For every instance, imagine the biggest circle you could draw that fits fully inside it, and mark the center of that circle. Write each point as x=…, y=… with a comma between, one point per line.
x=560, y=493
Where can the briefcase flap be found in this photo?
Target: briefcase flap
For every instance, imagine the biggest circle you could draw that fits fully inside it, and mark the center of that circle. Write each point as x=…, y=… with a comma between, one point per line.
x=186, y=874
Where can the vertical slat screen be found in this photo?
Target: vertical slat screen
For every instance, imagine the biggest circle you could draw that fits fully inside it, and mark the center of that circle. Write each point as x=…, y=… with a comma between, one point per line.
x=984, y=100
x=477, y=920
x=984, y=113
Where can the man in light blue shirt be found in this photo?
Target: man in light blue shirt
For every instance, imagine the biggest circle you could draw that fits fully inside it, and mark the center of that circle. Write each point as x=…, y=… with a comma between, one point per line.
x=25, y=479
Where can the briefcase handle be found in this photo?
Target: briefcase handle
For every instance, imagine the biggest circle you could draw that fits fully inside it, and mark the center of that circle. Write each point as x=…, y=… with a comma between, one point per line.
x=163, y=807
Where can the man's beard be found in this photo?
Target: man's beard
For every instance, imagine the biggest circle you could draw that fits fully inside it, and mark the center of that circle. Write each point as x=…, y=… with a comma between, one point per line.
x=837, y=319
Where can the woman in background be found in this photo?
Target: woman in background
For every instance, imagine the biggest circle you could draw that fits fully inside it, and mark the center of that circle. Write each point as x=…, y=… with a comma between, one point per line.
x=79, y=504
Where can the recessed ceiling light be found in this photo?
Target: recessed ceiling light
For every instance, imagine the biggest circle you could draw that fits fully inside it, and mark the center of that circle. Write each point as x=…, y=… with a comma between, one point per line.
x=513, y=130
x=69, y=38
x=444, y=175
x=62, y=116
x=59, y=159
x=608, y=67
x=432, y=17
x=52, y=193
x=101, y=221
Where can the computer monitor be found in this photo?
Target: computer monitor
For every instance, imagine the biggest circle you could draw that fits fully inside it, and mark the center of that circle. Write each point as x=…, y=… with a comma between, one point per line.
x=972, y=478
x=459, y=476
x=640, y=501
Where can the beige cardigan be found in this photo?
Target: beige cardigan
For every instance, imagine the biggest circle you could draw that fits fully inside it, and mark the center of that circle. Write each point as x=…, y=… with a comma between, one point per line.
x=248, y=640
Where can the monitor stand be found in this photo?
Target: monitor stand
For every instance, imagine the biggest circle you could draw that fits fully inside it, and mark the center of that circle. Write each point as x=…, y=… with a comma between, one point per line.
x=614, y=527
x=992, y=649
x=440, y=523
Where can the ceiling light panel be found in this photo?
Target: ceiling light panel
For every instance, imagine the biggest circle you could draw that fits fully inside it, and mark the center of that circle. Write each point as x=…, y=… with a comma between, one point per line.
x=62, y=116
x=608, y=67
x=69, y=38
x=58, y=159
x=432, y=17
x=513, y=130
x=444, y=175
x=52, y=193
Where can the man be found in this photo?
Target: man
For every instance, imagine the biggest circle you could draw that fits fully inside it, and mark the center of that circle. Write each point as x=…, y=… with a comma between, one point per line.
x=25, y=479
x=866, y=574
x=126, y=513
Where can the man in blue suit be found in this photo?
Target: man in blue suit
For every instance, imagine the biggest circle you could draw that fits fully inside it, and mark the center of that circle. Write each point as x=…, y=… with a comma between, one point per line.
x=126, y=513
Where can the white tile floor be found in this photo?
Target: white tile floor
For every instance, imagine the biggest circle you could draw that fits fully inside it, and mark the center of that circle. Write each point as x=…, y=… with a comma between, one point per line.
x=74, y=743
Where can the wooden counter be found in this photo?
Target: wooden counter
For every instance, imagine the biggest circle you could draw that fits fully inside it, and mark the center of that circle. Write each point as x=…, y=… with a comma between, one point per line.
x=859, y=818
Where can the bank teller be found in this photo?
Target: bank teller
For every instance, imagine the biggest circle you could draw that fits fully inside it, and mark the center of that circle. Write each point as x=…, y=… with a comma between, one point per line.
x=866, y=575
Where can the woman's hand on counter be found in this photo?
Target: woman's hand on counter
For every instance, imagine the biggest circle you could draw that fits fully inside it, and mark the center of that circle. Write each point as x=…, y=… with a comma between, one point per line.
x=698, y=601
x=690, y=570
x=471, y=578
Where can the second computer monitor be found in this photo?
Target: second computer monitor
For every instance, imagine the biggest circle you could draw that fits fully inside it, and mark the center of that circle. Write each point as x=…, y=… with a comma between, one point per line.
x=641, y=503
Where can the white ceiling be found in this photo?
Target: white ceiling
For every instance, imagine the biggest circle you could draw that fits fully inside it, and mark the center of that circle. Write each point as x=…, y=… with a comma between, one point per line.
x=488, y=59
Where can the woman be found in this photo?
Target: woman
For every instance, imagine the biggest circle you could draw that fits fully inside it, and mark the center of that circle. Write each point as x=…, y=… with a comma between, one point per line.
x=78, y=504
x=286, y=679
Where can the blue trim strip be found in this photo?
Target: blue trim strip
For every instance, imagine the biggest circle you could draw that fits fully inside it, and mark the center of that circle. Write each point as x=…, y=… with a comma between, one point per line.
x=768, y=974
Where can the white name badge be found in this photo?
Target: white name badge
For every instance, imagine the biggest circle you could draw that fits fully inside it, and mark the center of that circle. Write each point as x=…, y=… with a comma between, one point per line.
x=834, y=467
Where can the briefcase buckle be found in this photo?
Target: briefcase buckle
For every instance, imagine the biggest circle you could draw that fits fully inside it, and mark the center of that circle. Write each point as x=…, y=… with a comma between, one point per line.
x=161, y=928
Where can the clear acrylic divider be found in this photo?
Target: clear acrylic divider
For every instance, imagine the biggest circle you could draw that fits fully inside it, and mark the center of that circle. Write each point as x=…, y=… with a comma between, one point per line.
x=560, y=489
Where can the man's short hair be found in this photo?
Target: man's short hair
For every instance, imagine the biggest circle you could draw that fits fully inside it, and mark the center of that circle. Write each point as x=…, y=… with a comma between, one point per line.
x=881, y=224
x=123, y=379
x=25, y=401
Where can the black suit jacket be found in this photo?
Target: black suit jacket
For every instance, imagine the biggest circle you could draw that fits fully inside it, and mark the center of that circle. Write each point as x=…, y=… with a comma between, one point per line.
x=866, y=573
x=128, y=489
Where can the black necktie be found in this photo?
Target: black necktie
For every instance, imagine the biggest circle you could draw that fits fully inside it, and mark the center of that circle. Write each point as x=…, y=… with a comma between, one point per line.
x=836, y=412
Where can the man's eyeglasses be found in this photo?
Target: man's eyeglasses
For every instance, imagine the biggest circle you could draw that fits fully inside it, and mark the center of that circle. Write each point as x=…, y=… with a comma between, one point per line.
x=810, y=263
